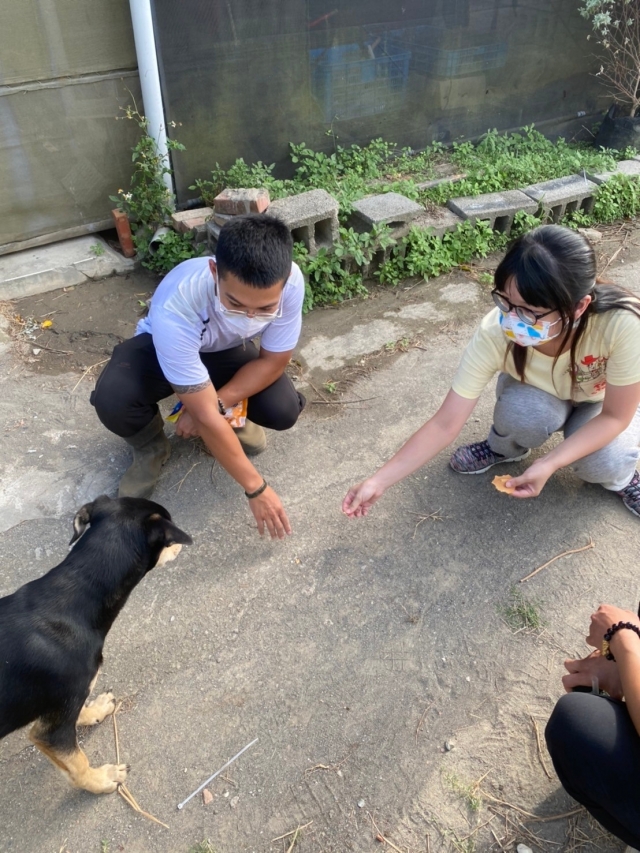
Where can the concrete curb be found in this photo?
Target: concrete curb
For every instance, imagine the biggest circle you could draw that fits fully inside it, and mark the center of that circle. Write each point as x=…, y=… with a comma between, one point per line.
x=59, y=265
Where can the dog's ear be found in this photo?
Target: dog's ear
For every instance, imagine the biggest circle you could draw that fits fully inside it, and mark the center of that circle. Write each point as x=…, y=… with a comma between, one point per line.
x=87, y=513
x=164, y=532
x=165, y=539
x=81, y=521
x=175, y=536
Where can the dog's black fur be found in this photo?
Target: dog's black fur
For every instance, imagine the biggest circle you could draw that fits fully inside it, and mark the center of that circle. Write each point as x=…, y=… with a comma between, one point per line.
x=52, y=630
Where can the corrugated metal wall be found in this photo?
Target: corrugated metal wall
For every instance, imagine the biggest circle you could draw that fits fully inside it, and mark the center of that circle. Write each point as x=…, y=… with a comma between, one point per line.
x=66, y=67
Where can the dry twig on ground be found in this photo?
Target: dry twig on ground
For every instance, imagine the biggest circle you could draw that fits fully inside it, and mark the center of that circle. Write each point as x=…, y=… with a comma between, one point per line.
x=587, y=547
x=179, y=484
x=539, y=745
x=124, y=792
x=335, y=767
x=380, y=837
x=421, y=721
x=88, y=370
x=422, y=517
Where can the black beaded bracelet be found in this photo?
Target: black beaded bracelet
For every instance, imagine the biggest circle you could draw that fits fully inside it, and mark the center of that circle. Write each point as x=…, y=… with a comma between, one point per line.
x=221, y=407
x=612, y=630
x=257, y=491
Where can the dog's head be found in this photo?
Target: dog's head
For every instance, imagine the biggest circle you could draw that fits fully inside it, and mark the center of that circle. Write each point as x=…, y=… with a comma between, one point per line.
x=148, y=523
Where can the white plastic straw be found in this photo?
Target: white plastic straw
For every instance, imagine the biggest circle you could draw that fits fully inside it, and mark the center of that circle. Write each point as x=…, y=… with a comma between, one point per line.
x=217, y=773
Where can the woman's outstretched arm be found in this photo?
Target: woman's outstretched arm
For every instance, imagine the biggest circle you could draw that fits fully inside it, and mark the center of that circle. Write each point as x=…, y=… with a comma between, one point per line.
x=436, y=434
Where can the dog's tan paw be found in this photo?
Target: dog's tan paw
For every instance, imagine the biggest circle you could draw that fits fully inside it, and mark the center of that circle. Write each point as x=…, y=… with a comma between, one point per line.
x=94, y=712
x=105, y=779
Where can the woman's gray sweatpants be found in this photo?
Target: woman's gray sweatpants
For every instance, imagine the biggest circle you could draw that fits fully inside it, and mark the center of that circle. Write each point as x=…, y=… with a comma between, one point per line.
x=526, y=417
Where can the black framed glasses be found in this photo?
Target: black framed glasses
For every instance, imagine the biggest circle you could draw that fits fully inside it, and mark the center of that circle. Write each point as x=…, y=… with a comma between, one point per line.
x=238, y=312
x=529, y=317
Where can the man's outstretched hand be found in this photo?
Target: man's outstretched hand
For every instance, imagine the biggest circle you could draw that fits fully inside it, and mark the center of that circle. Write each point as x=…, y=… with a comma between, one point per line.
x=269, y=513
x=267, y=508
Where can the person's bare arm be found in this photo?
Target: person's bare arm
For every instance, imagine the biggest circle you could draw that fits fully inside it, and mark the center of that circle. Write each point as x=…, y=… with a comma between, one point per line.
x=625, y=647
x=254, y=376
x=201, y=403
x=436, y=434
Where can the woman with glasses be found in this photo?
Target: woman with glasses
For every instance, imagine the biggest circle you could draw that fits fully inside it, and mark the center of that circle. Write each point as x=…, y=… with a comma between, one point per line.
x=197, y=343
x=567, y=351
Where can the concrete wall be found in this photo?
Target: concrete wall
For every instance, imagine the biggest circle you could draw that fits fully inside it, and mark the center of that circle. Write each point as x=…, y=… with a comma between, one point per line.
x=66, y=68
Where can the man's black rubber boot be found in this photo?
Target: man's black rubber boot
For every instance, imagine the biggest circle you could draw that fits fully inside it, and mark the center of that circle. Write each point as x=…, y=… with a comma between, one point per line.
x=252, y=438
x=151, y=449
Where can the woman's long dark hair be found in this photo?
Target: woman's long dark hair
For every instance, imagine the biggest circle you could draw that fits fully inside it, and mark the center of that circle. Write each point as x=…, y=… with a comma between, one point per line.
x=554, y=267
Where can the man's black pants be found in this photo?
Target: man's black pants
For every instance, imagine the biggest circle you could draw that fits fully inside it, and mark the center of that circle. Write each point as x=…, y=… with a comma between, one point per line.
x=128, y=389
x=596, y=752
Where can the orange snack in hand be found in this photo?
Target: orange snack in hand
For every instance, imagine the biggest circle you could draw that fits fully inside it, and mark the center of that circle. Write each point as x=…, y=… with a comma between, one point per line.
x=500, y=481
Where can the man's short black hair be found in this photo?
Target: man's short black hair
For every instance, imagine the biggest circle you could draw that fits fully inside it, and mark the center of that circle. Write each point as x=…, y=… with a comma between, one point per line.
x=256, y=248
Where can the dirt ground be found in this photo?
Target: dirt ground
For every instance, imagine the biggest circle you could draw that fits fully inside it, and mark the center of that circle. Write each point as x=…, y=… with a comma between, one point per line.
x=394, y=706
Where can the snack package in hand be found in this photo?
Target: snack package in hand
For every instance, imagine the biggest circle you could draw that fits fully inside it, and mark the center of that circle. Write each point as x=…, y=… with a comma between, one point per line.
x=175, y=413
x=237, y=415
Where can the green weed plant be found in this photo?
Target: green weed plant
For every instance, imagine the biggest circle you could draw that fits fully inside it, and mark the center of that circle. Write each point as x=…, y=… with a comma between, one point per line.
x=521, y=613
x=148, y=202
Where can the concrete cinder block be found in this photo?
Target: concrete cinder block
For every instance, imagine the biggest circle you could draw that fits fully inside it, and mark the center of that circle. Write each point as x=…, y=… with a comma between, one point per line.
x=236, y=202
x=211, y=229
x=496, y=208
x=438, y=221
x=391, y=209
x=312, y=218
x=200, y=234
x=624, y=167
x=221, y=218
x=190, y=220
x=213, y=232
x=564, y=195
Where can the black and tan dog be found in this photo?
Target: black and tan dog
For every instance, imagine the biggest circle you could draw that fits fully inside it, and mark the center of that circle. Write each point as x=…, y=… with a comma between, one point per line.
x=52, y=630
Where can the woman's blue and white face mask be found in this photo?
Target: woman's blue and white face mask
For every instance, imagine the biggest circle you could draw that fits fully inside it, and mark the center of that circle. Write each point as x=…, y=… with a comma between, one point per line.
x=527, y=336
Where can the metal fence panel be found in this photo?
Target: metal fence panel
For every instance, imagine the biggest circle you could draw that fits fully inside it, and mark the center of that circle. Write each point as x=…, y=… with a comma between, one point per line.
x=66, y=66
x=246, y=77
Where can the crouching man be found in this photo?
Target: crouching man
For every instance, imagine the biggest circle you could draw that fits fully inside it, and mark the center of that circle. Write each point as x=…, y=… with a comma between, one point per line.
x=196, y=342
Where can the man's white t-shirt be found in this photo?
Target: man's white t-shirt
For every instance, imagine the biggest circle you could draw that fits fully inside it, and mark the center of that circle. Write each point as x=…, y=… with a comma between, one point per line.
x=184, y=322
